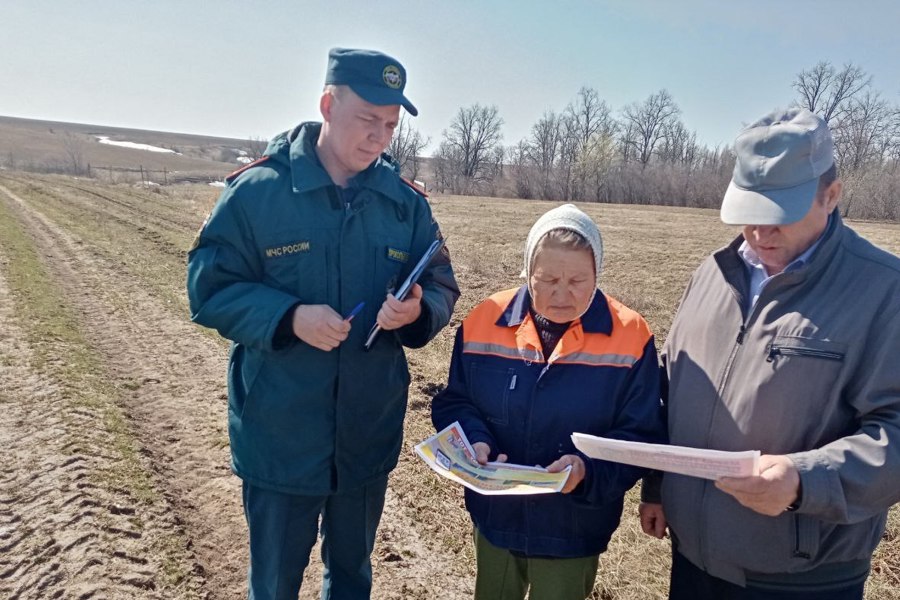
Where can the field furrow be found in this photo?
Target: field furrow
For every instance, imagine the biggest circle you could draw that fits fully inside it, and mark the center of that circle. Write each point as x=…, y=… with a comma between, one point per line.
x=113, y=404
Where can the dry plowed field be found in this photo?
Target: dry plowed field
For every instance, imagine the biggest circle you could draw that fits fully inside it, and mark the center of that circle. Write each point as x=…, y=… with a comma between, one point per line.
x=115, y=479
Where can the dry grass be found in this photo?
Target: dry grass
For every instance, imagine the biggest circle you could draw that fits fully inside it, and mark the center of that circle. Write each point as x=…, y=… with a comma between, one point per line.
x=650, y=254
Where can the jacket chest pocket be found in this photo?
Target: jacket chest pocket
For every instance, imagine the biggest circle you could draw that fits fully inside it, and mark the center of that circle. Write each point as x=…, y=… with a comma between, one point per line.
x=301, y=267
x=490, y=388
x=814, y=362
x=807, y=353
x=391, y=260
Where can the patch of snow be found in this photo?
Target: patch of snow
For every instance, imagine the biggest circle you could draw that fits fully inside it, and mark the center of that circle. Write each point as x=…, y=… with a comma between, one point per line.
x=134, y=145
x=246, y=160
x=218, y=184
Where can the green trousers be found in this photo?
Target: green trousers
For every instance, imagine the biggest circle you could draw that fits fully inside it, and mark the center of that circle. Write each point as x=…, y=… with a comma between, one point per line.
x=503, y=576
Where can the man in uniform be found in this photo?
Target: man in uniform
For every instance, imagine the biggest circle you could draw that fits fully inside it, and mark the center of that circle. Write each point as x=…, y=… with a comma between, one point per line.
x=786, y=341
x=296, y=243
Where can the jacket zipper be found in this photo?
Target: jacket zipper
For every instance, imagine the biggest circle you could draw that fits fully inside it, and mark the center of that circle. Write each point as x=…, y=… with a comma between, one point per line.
x=738, y=342
x=795, y=351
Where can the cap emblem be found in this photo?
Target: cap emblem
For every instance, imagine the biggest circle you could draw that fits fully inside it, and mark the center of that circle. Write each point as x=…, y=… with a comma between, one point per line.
x=392, y=78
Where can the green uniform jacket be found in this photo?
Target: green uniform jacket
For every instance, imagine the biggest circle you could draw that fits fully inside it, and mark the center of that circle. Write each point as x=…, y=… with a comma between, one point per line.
x=302, y=420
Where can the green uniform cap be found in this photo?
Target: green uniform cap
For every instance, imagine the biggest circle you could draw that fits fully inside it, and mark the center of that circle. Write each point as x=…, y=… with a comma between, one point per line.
x=374, y=76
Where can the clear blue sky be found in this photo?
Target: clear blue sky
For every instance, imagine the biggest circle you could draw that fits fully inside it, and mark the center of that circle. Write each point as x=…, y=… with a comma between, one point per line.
x=252, y=69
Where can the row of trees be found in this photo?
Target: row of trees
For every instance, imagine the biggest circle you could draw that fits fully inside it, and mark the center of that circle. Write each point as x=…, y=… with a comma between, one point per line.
x=645, y=154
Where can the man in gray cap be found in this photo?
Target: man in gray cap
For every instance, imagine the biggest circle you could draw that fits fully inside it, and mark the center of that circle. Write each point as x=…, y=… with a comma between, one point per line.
x=786, y=342
x=295, y=264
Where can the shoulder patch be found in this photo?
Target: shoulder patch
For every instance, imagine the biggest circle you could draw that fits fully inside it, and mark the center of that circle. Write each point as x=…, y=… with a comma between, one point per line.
x=231, y=177
x=418, y=189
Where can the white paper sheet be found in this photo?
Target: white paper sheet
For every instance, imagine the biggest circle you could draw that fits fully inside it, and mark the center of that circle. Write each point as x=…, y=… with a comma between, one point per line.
x=696, y=462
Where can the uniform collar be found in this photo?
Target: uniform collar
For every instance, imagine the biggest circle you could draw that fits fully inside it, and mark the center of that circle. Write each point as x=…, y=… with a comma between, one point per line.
x=597, y=318
x=307, y=172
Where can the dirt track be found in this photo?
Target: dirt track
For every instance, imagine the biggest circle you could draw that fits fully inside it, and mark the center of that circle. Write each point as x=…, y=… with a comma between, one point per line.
x=115, y=479
x=63, y=534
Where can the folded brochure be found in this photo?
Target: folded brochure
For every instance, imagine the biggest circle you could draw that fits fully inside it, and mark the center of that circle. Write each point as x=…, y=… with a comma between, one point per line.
x=450, y=455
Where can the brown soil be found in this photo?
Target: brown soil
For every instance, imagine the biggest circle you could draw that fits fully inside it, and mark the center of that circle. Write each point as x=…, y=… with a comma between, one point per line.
x=115, y=479
x=62, y=536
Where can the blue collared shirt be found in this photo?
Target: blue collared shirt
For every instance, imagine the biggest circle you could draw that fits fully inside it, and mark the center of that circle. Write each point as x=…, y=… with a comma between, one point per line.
x=759, y=277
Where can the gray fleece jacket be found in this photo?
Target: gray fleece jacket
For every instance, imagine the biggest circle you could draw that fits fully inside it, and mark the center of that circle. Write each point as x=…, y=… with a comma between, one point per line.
x=811, y=371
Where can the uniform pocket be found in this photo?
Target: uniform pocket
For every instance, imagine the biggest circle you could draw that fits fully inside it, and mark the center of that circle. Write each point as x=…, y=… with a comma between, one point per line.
x=391, y=260
x=244, y=367
x=489, y=388
x=298, y=263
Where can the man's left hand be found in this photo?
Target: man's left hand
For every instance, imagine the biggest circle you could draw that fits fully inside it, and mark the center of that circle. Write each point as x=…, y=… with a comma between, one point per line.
x=395, y=314
x=575, y=475
x=769, y=493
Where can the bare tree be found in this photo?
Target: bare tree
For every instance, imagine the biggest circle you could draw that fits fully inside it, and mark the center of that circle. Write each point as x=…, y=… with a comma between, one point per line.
x=406, y=147
x=590, y=116
x=595, y=164
x=73, y=147
x=864, y=133
x=254, y=147
x=472, y=138
x=590, y=122
x=543, y=150
x=679, y=146
x=648, y=123
x=569, y=153
x=825, y=91
x=520, y=158
x=447, y=163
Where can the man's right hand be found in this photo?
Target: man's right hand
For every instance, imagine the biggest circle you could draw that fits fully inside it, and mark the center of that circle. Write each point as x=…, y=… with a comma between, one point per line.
x=319, y=326
x=653, y=519
x=483, y=452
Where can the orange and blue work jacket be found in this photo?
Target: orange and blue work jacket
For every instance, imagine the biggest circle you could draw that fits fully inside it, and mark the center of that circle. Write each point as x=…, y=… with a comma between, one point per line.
x=602, y=379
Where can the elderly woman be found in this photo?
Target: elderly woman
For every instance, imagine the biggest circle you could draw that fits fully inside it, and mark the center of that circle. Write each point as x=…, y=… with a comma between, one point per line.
x=530, y=367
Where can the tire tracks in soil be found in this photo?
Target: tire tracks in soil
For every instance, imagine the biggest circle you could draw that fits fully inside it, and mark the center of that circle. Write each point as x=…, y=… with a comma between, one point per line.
x=150, y=362
x=59, y=531
x=171, y=379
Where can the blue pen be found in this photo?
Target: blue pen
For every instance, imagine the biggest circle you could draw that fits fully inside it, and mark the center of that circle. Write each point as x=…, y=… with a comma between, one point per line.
x=355, y=311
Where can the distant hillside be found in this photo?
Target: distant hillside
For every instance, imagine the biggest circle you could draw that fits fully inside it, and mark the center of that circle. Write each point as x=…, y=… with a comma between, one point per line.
x=50, y=146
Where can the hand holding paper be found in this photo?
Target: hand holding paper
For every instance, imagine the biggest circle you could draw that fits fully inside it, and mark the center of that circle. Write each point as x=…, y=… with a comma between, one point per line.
x=395, y=313
x=408, y=286
x=483, y=453
x=449, y=454
x=776, y=487
x=569, y=461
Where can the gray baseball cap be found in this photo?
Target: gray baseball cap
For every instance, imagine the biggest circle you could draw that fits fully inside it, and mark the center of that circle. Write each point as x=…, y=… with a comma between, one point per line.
x=778, y=161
